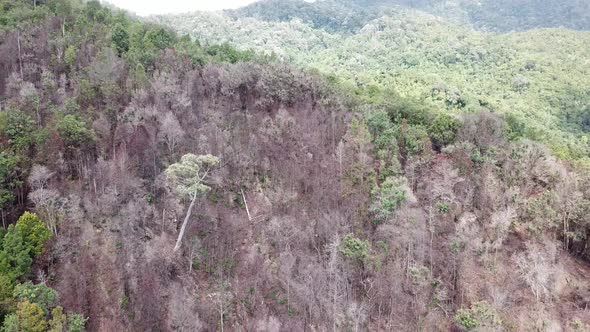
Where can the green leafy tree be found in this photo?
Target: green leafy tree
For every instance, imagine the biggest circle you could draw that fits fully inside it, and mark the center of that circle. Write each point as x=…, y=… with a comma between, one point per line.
x=354, y=248
x=18, y=128
x=6, y=287
x=39, y=294
x=413, y=138
x=9, y=179
x=7, y=302
x=15, y=259
x=70, y=56
x=120, y=39
x=74, y=131
x=387, y=198
x=21, y=243
x=59, y=321
x=161, y=38
x=76, y=322
x=187, y=179
x=378, y=122
x=31, y=317
x=444, y=129
x=186, y=46
x=33, y=231
x=10, y=324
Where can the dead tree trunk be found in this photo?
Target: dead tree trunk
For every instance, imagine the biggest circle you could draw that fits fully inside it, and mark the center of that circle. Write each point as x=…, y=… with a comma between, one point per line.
x=20, y=60
x=184, y=223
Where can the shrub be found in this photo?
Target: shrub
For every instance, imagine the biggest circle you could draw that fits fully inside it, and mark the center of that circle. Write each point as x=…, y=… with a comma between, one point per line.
x=480, y=314
x=443, y=130
x=443, y=207
x=39, y=294
x=413, y=138
x=18, y=129
x=387, y=198
x=33, y=231
x=73, y=131
x=354, y=248
x=76, y=322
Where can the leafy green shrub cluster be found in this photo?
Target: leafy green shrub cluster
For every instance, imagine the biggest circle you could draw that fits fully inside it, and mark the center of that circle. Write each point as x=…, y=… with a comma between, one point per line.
x=443, y=207
x=18, y=128
x=10, y=178
x=27, y=306
x=20, y=244
x=480, y=314
x=443, y=129
x=354, y=248
x=387, y=198
x=74, y=131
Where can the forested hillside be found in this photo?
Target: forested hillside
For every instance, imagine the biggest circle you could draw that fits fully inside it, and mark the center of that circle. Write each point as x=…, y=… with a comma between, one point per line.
x=487, y=15
x=539, y=79
x=393, y=177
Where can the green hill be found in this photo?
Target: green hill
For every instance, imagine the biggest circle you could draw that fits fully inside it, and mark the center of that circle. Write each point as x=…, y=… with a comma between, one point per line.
x=539, y=78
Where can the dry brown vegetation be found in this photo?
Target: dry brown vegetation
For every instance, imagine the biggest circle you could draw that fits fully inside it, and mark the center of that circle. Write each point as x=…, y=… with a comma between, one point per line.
x=487, y=224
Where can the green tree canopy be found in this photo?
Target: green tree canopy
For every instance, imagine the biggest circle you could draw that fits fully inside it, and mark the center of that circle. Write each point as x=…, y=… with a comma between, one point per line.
x=33, y=231
x=39, y=294
x=186, y=177
x=73, y=131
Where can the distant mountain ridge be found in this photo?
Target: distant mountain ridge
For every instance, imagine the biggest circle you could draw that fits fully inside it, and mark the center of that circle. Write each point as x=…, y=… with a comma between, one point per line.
x=488, y=15
x=539, y=76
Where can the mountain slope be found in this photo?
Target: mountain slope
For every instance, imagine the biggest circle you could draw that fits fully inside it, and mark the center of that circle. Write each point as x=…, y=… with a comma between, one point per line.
x=531, y=76
x=487, y=15
x=333, y=208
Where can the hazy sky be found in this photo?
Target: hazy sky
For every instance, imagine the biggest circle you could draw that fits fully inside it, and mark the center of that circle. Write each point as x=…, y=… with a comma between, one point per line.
x=148, y=7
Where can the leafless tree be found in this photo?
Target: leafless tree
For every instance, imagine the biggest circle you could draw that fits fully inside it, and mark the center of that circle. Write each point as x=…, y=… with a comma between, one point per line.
x=39, y=177
x=335, y=276
x=30, y=95
x=172, y=132
x=50, y=206
x=340, y=155
x=195, y=247
x=106, y=69
x=537, y=268
x=221, y=298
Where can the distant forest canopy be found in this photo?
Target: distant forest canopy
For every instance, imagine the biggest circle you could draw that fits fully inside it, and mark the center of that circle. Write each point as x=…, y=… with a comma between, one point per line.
x=539, y=79
x=487, y=15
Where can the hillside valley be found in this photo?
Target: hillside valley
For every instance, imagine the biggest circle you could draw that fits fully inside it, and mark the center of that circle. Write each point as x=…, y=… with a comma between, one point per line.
x=295, y=166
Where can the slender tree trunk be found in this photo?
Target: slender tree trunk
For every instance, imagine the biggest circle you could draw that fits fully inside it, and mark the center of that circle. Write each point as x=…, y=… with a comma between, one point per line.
x=184, y=223
x=246, y=204
x=20, y=60
x=221, y=312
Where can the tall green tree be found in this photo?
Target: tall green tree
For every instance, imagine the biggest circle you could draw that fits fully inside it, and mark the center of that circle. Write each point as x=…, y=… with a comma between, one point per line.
x=33, y=231
x=15, y=259
x=39, y=294
x=9, y=181
x=31, y=317
x=120, y=39
x=187, y=179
